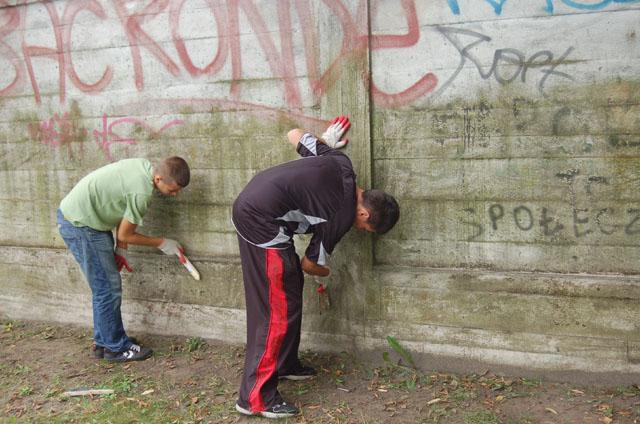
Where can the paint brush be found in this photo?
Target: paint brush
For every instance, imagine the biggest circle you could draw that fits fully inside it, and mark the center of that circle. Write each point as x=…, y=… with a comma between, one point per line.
x=187, y=264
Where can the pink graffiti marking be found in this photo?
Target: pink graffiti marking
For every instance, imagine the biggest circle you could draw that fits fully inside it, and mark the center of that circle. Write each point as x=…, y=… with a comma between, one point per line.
x=218, y=61
x=72, y=9
x=56, y=53
x=138, y=37
x=107, y=136
x=425, y=84
x=57, y=131
x=12, y=22
x=281, y=64
x=353, y=48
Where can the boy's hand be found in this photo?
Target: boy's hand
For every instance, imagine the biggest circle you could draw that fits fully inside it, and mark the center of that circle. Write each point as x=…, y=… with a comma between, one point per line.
x=313, y=268
x=171, y=247
x=121, y=259
x=332, y=136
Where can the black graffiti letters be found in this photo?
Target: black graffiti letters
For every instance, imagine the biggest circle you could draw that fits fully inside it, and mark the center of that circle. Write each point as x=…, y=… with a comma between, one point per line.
x=522, y=215
x=496, y=212
x=545, y=222
x=633, y=227
x=580, y=219
x=582, y=222
x=508, y=63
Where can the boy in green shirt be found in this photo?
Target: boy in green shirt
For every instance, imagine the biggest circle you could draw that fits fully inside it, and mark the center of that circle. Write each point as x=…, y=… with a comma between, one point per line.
x=116, y=196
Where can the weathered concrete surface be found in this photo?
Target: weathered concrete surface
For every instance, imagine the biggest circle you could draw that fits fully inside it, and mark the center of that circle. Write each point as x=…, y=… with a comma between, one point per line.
x=509, y=131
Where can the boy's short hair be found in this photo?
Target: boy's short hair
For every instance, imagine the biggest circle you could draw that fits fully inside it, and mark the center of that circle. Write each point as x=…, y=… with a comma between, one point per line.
x=383, y=209
x=174, y=170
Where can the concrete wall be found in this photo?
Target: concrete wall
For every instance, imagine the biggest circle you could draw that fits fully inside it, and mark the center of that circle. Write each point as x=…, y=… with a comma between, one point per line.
x=509, y=131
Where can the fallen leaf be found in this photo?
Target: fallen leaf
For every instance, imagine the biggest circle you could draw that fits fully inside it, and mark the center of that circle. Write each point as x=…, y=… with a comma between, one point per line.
x=499, y=398
x=606, y=420
x=553, y=411
x=577, y=392
x=147, y=392
x=434, y=401
x=624, y=412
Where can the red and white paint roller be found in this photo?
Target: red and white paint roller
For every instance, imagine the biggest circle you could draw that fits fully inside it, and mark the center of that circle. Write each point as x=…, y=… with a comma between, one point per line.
x=187, y=264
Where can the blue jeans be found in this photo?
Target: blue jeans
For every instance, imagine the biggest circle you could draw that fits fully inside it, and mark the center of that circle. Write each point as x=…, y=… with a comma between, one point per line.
x=93, y=250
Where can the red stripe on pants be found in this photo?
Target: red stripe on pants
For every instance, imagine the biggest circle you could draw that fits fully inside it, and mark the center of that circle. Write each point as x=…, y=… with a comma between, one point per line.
x=277, y=327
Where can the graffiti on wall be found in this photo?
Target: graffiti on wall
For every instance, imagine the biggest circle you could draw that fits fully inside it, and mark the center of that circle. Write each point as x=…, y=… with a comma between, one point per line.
x=355, y=43
x=546, y=5
x=106, y=136
x=572, y=222
x=66, y=131
x=150, y=52
x=508, y=64
x=580, y=222
x=225, y=51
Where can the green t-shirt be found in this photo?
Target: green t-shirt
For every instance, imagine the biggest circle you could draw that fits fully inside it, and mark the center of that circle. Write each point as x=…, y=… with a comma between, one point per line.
x=101, y=199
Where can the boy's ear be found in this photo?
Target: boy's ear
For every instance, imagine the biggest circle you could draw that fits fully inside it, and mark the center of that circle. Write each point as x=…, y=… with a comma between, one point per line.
x=363, y=212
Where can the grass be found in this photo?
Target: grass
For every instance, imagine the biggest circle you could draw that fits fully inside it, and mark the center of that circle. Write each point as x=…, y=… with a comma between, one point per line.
x=530, y=383
x=302, y=388
x=194, y=343
x=461, y=394
x=436, y=414
x=190, y=382
x=119, y=411
x=404, y=354
x=26, y=391
x=22, y=369
x=123, y=384
x=480, y=417
x=523, y=419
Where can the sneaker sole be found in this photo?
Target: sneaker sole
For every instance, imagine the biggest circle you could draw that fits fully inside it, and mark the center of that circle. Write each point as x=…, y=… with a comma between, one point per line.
x=142, y=358
x=128, y=360
x=265, y=414
x=273, y=415
x=296, y=377
x=243, y=411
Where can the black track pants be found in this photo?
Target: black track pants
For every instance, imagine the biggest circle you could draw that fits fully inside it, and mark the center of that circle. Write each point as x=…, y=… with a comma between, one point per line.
x=273, y=283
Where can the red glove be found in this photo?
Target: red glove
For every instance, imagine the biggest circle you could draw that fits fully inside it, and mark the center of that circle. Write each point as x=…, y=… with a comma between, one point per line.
x=121, y=259
x=333, y=135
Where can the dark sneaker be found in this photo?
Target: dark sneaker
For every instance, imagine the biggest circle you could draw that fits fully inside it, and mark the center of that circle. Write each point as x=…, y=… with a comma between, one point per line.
x=134, y=353
x=301, y=373
x=281, y=410
x=98, y=351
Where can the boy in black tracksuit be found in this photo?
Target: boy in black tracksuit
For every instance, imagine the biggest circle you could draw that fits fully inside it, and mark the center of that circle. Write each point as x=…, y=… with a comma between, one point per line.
x=316, y=194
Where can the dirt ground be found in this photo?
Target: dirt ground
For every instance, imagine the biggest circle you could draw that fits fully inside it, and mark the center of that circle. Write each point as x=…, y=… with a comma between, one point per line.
x=193, y=380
